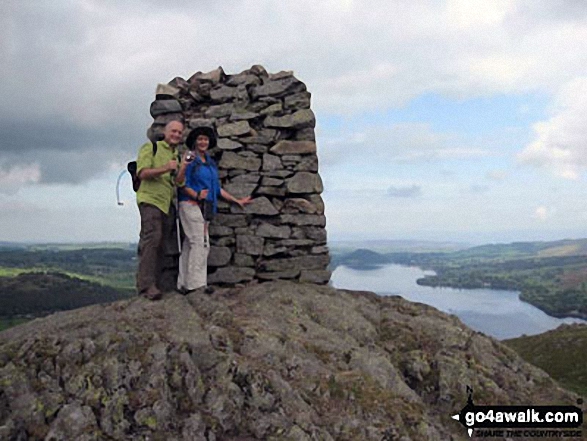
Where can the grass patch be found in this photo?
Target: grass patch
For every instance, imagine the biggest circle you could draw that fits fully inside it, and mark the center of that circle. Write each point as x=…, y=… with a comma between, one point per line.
x=10, y=322
x=12, y=272
x=121, y=280
x=562, y=353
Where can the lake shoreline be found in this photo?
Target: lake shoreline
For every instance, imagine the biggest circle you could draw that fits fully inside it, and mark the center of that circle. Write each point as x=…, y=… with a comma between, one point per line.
x=501, y=313
x=426, y=278
x=523, y=298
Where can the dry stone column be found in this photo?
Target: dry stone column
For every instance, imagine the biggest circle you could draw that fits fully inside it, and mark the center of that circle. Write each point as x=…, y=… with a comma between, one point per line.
x=266, y=149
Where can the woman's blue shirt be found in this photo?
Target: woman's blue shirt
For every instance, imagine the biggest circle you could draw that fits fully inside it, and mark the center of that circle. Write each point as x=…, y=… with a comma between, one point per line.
x=200, y=176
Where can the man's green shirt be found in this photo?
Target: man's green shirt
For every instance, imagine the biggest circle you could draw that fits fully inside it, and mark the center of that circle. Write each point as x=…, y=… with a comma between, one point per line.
x=157, y=191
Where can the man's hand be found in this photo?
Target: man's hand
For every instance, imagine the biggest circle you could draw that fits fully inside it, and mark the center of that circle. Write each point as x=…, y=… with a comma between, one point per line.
x=203, y=194
x=171, y=165
x=152, y=173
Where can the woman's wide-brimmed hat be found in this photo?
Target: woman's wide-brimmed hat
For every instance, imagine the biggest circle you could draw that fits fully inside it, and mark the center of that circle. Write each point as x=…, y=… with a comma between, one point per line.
x=203, y=130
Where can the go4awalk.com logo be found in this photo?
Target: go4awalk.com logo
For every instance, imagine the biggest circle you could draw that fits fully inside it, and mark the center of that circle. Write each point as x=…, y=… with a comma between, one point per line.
x=520, y=421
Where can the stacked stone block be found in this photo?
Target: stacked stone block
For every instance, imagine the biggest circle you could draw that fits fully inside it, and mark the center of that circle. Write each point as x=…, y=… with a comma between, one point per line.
x=266, y=149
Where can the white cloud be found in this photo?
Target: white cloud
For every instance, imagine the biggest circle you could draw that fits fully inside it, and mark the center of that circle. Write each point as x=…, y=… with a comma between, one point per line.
x=560, y=143
x=20, y=175
x=412, y=191
x=78, y=77
x=14, y=177
x=479, y=188
x=82, y=60
x=501, y=72
x=476, y=14
x=542, y=213
x=402, y=142
x=434, y=154
x=496, y=175
x=96, y=64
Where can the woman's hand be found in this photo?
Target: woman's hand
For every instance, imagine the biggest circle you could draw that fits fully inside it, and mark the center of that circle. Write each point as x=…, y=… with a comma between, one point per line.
x=241, y=202
x=187, y=157
x=203, y=194
x=244, y=201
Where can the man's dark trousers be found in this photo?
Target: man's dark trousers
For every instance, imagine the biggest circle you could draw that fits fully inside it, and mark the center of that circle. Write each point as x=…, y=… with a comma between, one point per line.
x=155, y=228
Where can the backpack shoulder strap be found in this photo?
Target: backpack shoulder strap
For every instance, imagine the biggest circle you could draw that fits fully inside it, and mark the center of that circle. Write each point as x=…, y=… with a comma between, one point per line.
x=154, y=147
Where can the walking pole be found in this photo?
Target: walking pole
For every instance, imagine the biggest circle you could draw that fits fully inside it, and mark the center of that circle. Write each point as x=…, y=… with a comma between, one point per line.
x=177, y=226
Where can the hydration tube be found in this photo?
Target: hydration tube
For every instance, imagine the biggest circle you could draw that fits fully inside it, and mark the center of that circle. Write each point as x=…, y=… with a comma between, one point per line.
x=118, y=201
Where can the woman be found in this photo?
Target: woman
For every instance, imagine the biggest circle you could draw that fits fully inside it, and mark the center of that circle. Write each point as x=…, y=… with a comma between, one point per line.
x=198, y=202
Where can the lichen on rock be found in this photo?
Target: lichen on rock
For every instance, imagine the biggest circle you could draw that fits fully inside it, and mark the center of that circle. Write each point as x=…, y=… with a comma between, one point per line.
x=270, y=361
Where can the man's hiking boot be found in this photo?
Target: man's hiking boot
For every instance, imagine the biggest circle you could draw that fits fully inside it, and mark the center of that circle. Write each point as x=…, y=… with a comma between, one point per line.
x=152, y=293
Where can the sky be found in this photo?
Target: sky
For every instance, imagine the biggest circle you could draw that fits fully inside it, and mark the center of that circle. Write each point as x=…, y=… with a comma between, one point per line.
x=457, y=120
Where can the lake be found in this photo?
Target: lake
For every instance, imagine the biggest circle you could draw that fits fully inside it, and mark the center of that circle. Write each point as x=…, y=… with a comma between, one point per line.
x=500, y=314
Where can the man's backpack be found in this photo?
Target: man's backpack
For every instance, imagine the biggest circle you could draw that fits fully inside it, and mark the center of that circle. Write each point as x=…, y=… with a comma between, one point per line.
x=132, y=169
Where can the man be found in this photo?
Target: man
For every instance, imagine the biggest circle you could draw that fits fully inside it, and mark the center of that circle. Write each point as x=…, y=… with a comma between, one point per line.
x=154, y=198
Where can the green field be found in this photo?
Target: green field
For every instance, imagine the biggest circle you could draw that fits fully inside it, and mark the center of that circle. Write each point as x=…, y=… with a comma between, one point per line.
x=123, y=280
x=37, y=280
x=9, y=322
x=111, y=266
x=11, y=272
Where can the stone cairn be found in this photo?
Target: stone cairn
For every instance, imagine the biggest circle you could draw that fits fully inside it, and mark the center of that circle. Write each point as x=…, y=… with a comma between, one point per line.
x=266, y=149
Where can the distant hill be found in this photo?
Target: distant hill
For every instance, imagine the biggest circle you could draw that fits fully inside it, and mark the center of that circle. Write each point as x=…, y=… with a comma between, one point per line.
x=82, y=246
x=85, y=261
x=12, y=245
x=35, y=282
x=112, y=266
x=359, y=259
x=394, y=246
x=562, y=353
x=41, y=293
x=58, y=246
x=560, y=248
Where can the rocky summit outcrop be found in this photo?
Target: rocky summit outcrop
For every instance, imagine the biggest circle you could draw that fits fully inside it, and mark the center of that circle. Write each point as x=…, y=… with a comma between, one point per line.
x=271, y=361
